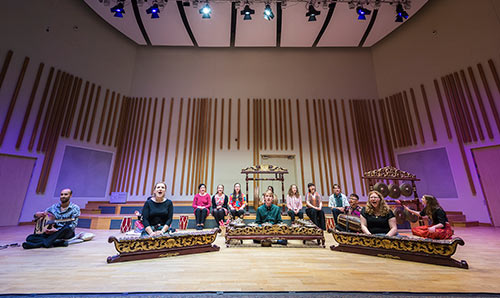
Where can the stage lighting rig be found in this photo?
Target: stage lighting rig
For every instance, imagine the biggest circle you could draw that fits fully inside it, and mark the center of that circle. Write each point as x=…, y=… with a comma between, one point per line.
x=268, y=13
x=118, y=9
x=247, y=12
x=312, y=13
x=206, y=11
x=154, y=11
x=362, y=12
x=400, y=13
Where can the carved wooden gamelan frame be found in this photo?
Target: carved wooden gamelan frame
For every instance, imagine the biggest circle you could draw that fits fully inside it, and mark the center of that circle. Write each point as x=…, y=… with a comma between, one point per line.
x=252, y=174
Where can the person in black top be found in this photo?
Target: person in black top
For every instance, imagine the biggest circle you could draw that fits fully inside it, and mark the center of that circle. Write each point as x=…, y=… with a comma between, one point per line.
x=440, y=228
x=157, y=212
x=219, y=204
x=377, y=218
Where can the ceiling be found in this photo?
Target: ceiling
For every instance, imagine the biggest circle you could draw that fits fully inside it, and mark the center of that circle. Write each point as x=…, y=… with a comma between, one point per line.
x=183, y=26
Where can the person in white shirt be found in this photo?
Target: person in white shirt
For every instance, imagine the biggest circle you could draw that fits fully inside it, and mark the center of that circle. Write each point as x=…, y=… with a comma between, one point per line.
x=337, y=202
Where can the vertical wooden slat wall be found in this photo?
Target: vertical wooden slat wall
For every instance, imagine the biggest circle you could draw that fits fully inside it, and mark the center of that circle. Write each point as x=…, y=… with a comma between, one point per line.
x=375, y=132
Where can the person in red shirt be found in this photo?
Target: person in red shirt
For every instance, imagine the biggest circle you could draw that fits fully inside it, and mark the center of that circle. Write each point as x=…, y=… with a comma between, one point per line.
x=237, y=202
x=201, y=206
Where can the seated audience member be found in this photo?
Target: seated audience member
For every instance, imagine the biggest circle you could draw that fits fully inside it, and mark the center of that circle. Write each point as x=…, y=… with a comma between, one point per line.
x=275, y=198
x=157, y=212
x=61, y=231
x=294, y=203
x=201, y=206
x=268, y=212
x=377, y=218
x=219, y=204
x=314, y=205
x=237, y=202
x=440, y=228
x=353, y=209
x=337, y=202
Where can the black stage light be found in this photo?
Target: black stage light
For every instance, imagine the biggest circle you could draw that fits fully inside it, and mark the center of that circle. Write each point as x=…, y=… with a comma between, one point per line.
x=400, y=13
x=247, y=12
x=362, y=12
x=118, y=10
x=154, y=10
x=206, y=11
x=312, y=13
x=268, y=13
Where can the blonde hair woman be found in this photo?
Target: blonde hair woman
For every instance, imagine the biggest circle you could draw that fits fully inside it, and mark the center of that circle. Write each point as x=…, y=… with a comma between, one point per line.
x=377, y=218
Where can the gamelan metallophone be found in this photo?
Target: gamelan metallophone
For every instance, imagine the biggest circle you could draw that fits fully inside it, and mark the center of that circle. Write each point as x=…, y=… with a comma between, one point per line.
x=302, y=230
x=137, y=248
x=421, y=250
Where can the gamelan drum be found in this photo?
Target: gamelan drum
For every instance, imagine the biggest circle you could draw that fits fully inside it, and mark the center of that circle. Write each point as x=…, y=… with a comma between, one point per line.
x=349, y=223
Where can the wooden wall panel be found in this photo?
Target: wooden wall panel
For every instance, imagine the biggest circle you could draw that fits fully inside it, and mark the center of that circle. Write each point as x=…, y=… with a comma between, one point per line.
x=480, y=103
x=319, y=145
x=229, y=124
x=111, y=111
x=310, y=142
x=214, y=133
x=81, y=109
x=334, y=141
x=13, y=99
x=144, y=143
x=491, y=100
x=290, y=121
x=113, y=121
x=325, y=140
x=5, y=66
x=472, y=105
x=341, y=150
x=30, y=105
x=443, y=111
x=186, y=134
x=301, y=157
x=40, y=109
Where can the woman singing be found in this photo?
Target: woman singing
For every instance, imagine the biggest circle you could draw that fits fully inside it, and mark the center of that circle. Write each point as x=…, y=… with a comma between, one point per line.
x=157, y=212
x=377, y=218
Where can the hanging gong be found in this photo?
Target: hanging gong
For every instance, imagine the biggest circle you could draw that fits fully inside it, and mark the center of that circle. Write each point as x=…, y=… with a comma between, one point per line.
x=381, y=188
x=394, y=191
x=406, y=189
x=410, y=216
x=400, y=214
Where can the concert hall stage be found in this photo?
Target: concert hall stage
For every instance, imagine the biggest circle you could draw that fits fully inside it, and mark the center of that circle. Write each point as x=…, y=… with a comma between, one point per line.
x=82, y=268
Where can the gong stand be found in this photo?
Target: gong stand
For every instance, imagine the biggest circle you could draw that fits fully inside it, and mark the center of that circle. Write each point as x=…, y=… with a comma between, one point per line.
x=252, y=174
x=396, y=175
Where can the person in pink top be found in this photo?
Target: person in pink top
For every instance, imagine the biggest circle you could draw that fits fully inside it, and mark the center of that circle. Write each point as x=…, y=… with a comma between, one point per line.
x=201, y=206
x=237, y=202
x=294, y=203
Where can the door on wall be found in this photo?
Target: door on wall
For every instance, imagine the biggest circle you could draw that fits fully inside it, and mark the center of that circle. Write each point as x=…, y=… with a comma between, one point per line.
x=15, y=176
x=488, y=169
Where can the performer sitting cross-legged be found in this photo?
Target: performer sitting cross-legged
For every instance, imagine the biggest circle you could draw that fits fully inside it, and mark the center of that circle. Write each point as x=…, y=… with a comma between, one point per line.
x=157, y=212
x=377, y=218
x=268, y=212
x=61, y=231
x=294, y=203
x=337, y=202
x=201, y=206
x=314, y=205
x=237, y=202
x=219, y=204
x=440, y=228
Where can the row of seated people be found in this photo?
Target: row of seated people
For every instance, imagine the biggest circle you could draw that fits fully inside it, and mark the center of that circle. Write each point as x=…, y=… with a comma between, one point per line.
x=376, y=217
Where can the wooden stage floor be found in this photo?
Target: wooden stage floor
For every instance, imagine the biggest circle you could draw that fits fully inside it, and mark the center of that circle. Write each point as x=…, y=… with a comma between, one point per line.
x=82, y=268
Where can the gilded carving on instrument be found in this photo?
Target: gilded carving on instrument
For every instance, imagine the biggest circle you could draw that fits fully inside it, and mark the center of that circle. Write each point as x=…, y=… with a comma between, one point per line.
x=389, y=173
x=432, y=247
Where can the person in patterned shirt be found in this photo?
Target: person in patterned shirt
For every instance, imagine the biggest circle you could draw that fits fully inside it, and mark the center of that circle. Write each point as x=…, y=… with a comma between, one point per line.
x=237, y=202
x=61, y=231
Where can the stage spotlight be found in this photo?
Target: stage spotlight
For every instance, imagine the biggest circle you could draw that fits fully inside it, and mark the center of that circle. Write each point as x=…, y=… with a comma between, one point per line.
x=206, y=11
x=362, y=12
x=118, y=10
x=312, y=13
x=154, y=10
x=268, y=13
x=400, y=13
x=247, y=12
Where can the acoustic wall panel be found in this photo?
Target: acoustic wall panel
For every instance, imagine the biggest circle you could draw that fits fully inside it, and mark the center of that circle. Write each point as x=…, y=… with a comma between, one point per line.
x=433, y=169
x=85, y=171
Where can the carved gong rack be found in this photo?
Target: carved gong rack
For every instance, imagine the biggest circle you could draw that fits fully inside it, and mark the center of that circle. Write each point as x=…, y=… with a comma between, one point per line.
x=253, y=174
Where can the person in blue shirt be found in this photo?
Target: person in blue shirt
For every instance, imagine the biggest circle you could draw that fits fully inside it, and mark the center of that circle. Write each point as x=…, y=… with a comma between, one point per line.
x=66, y=215
x=337, y=202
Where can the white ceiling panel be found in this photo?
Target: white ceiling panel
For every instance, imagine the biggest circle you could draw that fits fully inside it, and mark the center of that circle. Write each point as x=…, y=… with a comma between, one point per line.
x=385, y=22
x=257, y=32
x=168, y=30
x=126, y=25
x=213, y=32
x=344, y=30
x=296, y=30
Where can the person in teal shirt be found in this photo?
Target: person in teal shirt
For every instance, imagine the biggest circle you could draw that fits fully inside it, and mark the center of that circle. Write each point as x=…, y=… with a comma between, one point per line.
x=268, y=212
